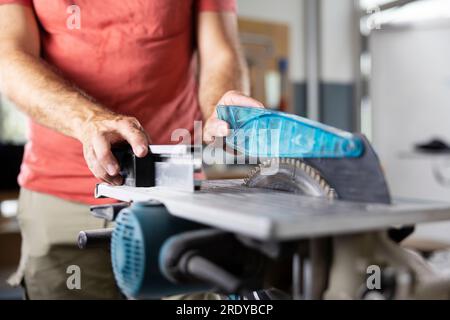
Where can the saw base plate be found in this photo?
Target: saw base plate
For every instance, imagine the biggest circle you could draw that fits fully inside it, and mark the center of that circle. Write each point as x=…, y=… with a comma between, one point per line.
x=277, y=215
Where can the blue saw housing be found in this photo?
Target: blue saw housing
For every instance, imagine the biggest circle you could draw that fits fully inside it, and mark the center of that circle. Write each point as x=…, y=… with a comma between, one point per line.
x=264, y=133
x=136, y=248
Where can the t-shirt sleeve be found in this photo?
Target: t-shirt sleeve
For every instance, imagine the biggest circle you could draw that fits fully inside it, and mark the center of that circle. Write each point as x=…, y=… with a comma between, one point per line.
x=216, y=5
x=22, y=2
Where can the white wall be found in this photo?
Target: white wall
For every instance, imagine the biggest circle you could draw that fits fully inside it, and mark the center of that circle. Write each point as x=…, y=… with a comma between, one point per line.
x=289, y=12
x=410, y=92
x=337, y=41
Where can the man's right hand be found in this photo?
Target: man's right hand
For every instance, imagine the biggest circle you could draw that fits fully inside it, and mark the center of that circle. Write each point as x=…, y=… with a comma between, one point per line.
x=99, y=133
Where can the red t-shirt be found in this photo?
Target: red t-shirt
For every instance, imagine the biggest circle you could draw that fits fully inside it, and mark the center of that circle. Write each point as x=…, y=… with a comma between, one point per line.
x=133, y=56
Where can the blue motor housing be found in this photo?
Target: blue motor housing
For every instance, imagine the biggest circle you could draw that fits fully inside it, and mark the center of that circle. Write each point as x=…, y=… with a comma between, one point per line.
x=140, y=233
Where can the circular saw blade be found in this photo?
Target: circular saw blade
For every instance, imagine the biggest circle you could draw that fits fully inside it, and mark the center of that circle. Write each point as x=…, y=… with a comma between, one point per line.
x=291, y=175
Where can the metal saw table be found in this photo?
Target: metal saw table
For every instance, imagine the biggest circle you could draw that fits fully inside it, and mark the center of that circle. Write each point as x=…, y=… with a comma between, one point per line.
x=274, y=215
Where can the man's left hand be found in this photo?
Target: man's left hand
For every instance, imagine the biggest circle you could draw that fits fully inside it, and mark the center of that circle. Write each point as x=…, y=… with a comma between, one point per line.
x=215, y=127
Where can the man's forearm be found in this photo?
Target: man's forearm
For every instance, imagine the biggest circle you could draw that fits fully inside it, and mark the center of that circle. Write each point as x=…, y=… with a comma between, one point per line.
x=226, y=73
x=223, y=70
x=51, y=101
x=44, y=95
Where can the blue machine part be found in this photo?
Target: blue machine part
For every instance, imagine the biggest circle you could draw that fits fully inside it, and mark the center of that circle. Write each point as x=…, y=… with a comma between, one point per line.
x=264, y=133
x=140, y=232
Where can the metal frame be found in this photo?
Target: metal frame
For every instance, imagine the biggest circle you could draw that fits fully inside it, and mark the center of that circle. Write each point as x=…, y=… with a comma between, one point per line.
x=312, y=27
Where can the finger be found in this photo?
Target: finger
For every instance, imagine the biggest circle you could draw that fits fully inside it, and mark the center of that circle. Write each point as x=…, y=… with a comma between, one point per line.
x=215, y=128
x=138, y=125
x=239, y=99
x=98, y=171
x=137, y=138
x=101, y=174
x=102, y=151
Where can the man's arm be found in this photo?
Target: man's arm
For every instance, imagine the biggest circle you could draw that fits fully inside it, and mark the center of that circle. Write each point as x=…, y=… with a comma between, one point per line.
x=223, y=70
x=54, y=102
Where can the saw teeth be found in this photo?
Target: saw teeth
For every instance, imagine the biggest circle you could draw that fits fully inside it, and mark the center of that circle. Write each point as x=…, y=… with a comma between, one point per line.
x=328, y=191
x=332, y=194
x=308, y=170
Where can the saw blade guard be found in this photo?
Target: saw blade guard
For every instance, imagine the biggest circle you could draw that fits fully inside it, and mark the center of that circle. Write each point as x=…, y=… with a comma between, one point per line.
x=263, y=133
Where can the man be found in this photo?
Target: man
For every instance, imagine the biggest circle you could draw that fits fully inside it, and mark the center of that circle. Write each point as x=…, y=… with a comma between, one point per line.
x=90, y=74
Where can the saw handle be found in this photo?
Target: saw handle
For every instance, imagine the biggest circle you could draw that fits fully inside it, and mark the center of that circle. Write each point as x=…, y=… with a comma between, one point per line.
x=98, y=238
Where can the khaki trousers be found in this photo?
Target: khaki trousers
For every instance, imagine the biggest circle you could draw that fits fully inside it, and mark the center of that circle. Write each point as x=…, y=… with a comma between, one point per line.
x=49, y=228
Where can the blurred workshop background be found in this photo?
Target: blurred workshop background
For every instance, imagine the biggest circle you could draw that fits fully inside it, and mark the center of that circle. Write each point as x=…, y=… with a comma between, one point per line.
x=377, y=66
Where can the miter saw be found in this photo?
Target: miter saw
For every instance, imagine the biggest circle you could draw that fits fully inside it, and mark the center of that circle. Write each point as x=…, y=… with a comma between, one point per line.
x=312, y=219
